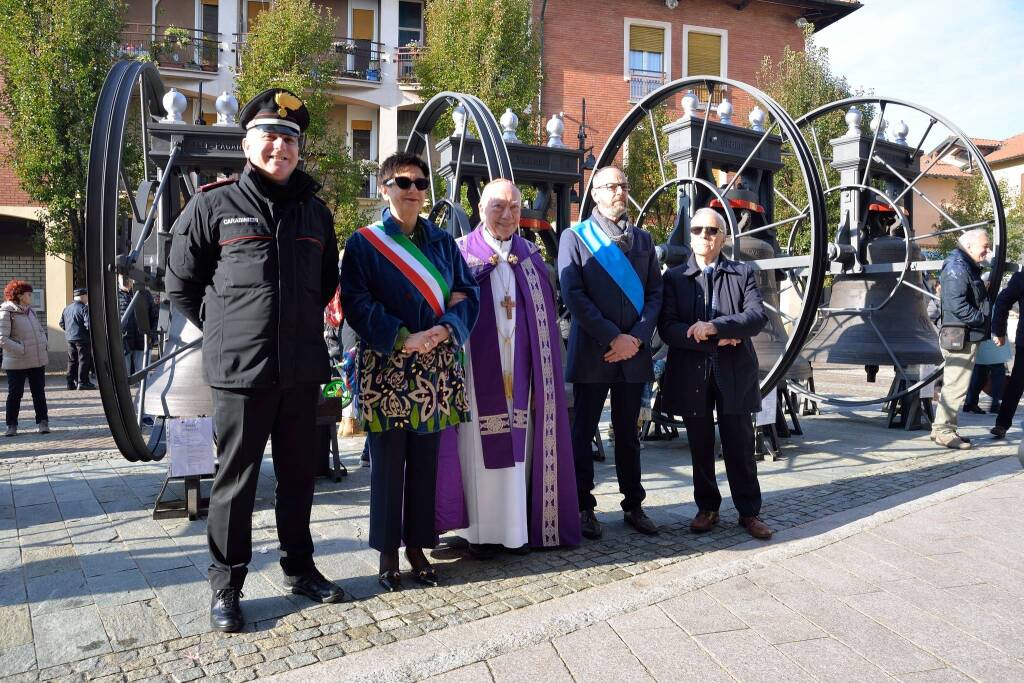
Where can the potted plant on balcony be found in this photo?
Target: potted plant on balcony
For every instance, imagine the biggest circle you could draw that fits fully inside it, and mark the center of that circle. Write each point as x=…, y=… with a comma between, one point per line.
x=175, y=42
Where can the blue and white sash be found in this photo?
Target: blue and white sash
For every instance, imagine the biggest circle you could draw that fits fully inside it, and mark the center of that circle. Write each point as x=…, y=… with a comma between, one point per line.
x=613, y=260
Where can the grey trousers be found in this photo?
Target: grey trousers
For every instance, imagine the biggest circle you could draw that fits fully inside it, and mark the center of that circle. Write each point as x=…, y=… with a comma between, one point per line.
x=956, y=378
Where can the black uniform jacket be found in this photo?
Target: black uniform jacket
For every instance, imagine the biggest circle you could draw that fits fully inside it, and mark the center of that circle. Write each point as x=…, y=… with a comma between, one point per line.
x=254, y=264
x=739, y=314
x=75, y=323
x=1013, y=293
x=601, y=311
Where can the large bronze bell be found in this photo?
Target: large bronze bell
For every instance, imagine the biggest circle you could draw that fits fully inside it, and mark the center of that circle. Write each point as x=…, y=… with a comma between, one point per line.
x=770, y=343
x=862, y=337
x=177, y=388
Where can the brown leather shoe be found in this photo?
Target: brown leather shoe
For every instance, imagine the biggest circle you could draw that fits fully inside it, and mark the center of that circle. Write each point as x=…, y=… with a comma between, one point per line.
x=704, y=521
x=951, y=440
x=756, y=528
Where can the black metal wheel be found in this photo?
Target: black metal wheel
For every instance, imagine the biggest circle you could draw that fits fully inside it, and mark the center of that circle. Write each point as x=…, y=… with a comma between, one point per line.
x=466, y=160
x=676, y=168
x=889, y=226
x=121, y=211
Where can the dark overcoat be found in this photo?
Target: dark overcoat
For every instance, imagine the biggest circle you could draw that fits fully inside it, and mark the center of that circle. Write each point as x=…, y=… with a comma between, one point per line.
x=964, y=297
x=739, y=314
x=601, y=311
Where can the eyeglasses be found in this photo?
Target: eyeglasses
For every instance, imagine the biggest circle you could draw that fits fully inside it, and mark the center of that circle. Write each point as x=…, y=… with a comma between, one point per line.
x=615, y=187
x=404, y=183
x=710, y=230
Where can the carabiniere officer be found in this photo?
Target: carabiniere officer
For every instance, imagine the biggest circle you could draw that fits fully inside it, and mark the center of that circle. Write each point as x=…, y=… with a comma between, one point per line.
x=253, y=262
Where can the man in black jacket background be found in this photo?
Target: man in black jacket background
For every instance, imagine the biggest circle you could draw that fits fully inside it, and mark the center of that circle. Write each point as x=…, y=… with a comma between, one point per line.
x=1012, y=294
x=711, y=310
x=253, y=262
x=964, y=305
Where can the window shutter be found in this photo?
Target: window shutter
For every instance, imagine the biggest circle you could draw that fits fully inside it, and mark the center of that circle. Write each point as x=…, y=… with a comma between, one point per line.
x=646, y=39
x=704, y=54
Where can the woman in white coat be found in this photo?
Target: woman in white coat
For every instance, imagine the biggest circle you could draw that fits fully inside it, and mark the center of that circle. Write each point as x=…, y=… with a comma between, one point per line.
x=23, y=340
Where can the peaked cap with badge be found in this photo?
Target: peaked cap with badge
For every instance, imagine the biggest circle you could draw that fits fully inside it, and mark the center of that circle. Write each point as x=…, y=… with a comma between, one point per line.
x=276, y=110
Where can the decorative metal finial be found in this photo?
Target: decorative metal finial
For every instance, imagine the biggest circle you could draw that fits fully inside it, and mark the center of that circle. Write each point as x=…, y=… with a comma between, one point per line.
x=459, y=117
x=227, y=107
x=509, y=122
x=690, y=103
x=853, y=119
x=175, y=104
x=555, y=127
x=878, y=126
x=757, y=117
x=901, y=131
x=724, y=111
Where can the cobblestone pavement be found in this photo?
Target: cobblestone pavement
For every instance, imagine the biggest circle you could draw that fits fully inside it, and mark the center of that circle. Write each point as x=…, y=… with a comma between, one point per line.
x=932, y=591
x=91, y=587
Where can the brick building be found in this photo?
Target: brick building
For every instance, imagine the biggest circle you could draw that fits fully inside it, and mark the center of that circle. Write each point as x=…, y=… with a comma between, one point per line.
x=614, y=53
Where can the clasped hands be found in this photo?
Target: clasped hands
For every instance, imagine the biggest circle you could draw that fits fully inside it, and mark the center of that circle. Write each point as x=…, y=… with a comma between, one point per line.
x=703, y=331
x=421, y=342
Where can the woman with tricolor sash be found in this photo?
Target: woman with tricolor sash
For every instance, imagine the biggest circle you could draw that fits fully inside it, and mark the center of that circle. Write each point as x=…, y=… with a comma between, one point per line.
x=411, y=298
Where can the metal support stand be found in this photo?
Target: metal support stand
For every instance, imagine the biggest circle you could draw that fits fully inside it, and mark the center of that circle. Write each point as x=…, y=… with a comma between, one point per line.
x=766, y=443
x=787, y=405
x=911, y=412
x=194, y=505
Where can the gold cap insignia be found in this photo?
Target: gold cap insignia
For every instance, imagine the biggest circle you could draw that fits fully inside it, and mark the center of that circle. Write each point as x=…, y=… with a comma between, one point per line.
x=286, y=102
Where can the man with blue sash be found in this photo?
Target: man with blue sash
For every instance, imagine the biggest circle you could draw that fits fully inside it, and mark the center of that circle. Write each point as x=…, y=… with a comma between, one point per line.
x=611, y=283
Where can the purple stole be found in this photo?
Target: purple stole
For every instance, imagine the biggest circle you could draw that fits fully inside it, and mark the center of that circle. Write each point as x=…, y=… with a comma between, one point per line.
x=553, y=513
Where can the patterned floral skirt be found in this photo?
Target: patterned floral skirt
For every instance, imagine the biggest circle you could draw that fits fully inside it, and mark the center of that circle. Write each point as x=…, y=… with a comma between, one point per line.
x=418, y=392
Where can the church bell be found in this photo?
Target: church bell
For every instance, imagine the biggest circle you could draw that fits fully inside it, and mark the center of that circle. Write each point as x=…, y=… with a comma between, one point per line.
x=176, y=388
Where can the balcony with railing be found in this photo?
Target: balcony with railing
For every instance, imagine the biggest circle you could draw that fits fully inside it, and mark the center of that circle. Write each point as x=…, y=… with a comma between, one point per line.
x=348, y=59
x=642, y=83
x=171, y=47
x=405, y=59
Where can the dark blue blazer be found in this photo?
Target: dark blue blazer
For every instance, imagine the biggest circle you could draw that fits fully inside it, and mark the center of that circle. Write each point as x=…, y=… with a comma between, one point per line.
x=739, y=315
x=600, y=311
x=378, y=300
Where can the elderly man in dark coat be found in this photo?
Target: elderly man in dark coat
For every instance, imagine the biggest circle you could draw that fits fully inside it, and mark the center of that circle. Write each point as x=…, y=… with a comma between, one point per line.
x=611, y=284
x=711, y=310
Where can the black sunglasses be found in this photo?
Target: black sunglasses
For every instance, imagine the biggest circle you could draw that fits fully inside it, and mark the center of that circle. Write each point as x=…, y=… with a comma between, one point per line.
x=708, y=230
x=404, y=183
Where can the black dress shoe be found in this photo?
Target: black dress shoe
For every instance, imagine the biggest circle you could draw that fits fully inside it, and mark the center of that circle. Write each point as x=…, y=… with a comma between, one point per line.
x=72, y=386
x=521, y=550
x=639, y=520
x=481, y=551
x=314, y=586
x=976, y=409
x=225, y=610
x=998, y=432
x=86, y=385
x=391, y=580
x=425, y=575
x=589, y=526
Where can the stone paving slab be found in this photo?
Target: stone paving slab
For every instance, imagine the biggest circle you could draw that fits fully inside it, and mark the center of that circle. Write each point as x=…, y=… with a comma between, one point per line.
x=843, y=651
x=77, y=540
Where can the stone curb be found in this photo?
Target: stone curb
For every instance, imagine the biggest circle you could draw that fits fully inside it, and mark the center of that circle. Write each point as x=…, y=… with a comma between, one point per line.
x=456, y=647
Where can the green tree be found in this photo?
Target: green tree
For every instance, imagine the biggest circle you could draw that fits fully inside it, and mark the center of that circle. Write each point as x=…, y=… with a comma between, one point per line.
x=801, y=81
x=641, y=165
x=54, y=57
x=971, y=204
x=487, y=48
x=288, y=47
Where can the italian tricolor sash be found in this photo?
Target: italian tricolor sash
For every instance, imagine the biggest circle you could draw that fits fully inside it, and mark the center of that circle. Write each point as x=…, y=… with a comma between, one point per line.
x=411, y=262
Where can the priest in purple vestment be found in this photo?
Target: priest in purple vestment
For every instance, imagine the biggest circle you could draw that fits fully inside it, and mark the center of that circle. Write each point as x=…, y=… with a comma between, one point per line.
x=516, y=455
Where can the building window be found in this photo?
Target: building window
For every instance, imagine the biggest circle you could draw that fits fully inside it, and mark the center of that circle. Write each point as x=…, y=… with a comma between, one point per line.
x=406, y=120
x=410, y=22
x=252, y=10
x=647, y=64
x=705, y=53
x=210, y=18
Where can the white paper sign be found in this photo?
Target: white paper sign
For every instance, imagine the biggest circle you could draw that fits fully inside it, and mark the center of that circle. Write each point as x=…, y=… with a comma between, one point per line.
x=190, y=446
x=768, y=408
x=928, y=390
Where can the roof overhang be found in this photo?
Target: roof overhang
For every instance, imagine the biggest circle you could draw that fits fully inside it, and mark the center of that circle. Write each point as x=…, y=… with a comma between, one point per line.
x=821, y=13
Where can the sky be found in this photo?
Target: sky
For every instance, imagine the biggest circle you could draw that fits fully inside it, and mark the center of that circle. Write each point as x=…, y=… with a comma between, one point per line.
x=962, y=59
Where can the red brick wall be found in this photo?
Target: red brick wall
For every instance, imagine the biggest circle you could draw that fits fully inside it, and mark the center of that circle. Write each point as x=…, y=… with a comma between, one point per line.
x=583, y=52
x=11, y=193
